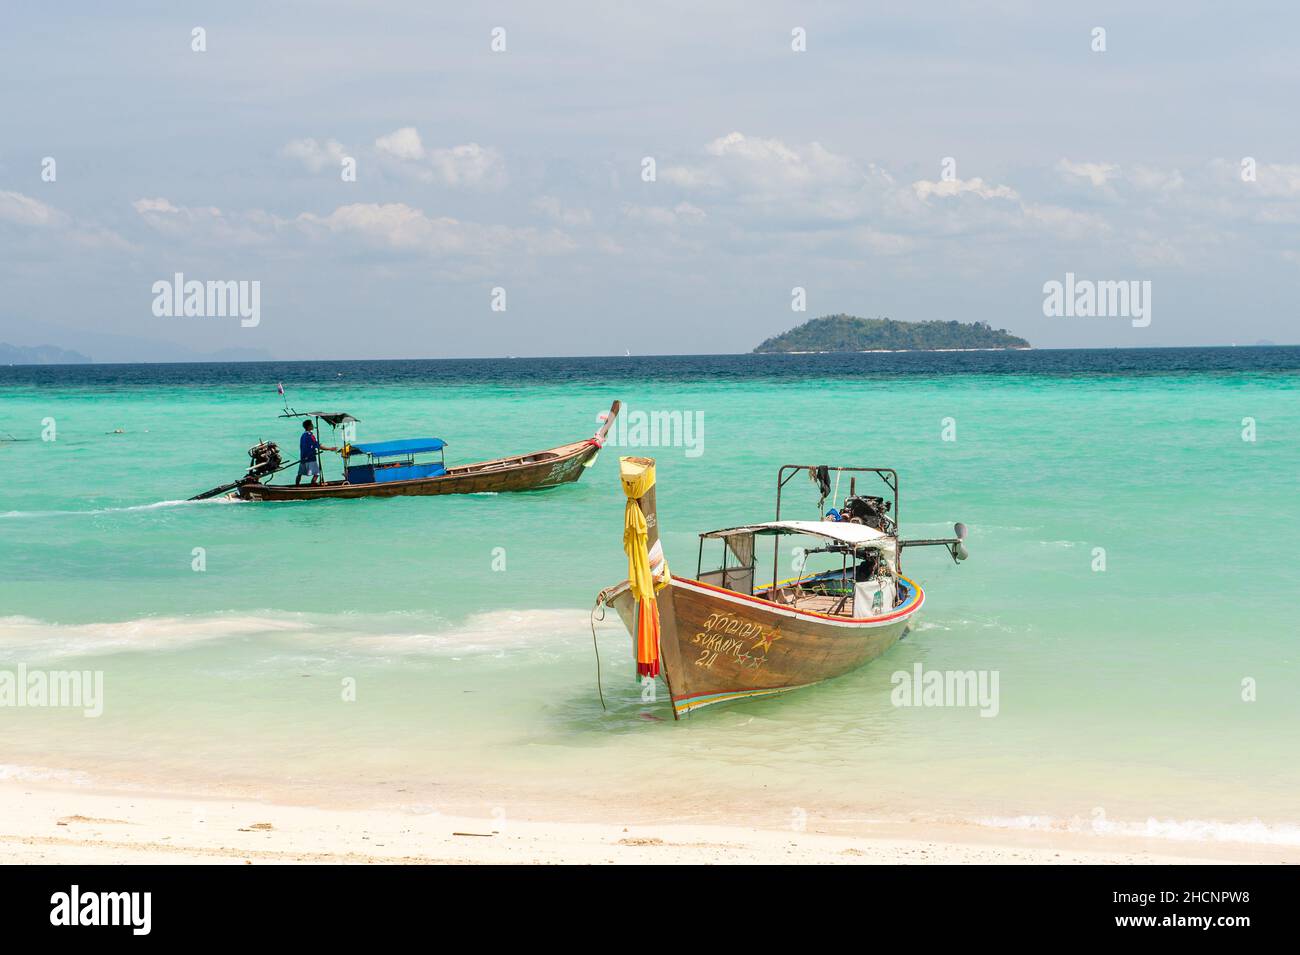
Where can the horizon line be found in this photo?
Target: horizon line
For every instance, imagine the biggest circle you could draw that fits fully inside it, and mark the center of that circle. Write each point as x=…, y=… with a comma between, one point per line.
x=900, y=351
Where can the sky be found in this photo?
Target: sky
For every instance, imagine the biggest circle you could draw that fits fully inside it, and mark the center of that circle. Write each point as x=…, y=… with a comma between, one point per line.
x=911, y=161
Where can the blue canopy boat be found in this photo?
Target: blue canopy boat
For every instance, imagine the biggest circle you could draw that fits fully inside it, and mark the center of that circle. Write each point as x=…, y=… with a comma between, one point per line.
x=395, y=468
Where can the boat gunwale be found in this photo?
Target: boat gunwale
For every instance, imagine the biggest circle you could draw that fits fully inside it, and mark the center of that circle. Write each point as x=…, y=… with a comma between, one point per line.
x=561, y=452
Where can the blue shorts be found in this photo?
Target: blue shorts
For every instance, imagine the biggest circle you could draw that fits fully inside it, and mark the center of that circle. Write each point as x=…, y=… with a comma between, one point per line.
x=308, y=469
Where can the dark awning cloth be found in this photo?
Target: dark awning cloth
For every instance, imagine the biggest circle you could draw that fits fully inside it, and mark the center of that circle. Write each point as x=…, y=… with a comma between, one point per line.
x=334, y=418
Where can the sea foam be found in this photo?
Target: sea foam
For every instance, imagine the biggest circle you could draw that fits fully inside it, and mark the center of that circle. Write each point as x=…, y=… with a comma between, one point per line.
x=91, y=512
x=1178, y=830
x=391, y=634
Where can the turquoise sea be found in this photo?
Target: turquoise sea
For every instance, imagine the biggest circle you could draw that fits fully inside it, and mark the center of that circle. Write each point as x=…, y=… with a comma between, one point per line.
x=463, y=622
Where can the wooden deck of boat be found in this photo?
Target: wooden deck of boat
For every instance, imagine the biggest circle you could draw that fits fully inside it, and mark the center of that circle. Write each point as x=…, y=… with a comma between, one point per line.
x=839, y=606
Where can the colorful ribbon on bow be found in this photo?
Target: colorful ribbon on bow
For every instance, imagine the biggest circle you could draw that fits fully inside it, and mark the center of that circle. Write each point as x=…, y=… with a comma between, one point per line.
x=638, y=477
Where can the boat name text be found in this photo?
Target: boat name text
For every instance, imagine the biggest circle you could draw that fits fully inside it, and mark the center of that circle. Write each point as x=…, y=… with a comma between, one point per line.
x=725, y=634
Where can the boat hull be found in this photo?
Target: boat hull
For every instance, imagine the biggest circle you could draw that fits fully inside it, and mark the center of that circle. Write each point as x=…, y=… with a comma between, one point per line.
x=528, y=472
x=717, y=646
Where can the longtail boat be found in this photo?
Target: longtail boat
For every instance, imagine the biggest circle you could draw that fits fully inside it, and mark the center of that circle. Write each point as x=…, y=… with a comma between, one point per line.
x=720, y=637
x=394, y=468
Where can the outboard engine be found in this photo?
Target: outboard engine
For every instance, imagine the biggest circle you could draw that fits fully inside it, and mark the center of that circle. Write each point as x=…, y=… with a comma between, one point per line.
x=264, y=459
x=872, y=511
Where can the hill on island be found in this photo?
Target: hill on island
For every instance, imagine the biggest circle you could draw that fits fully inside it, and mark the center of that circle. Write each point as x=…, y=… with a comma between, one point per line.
x=39, y=355
x=848, y=333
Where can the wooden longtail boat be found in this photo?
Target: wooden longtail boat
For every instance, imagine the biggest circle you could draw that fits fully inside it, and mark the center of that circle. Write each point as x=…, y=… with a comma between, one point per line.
x=391, y=469
x=717, y=638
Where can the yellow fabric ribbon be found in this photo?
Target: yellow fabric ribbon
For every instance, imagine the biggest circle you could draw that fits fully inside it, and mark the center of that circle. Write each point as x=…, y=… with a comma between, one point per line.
x=638, y=478
x=636, y=534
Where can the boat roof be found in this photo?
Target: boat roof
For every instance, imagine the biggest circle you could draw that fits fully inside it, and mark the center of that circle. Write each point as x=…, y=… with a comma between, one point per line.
x=842, y=531
x=386, y=449
x=335, y=418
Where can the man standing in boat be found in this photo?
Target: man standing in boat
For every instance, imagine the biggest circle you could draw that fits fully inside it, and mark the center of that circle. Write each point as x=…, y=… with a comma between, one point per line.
x=309, y=448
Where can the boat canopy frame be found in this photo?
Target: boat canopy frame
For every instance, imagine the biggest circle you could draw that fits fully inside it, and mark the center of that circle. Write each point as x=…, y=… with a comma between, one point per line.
x=385, y=455
x=888, y=475
x=728, y=548
x=331, y=418
x=854, y=538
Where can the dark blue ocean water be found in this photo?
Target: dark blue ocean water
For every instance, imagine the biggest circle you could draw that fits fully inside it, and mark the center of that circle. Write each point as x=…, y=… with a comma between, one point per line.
x=459, y=371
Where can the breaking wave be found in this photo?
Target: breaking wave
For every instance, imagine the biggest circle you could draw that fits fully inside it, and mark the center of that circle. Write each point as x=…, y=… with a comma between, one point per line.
x=393, y=634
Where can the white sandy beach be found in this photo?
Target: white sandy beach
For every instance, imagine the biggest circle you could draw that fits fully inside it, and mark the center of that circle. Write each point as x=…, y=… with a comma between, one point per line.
x=73, y=825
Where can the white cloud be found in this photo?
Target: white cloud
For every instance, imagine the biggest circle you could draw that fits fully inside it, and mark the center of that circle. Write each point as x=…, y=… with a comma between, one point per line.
x=154, y=206
x=468, y=165
x=24, y=210
x=750, y=164
x=59, y=227
x=924, y=189
x=399, y=227
x=393, y=224
x=315, y=155
x=1278, y=180
x=206, y=223
x=753, y=188
x=1152, y=179
x=1062, y=222
x=684, y=213
x=752, y=196
x=402, y=143
x=1097, y=173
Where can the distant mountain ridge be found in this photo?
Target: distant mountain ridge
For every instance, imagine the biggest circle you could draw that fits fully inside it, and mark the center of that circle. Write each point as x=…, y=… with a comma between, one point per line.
x=833, y=333
x=40, y=355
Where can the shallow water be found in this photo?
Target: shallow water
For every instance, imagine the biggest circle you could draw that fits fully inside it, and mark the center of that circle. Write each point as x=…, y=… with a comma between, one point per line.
x=464, y=621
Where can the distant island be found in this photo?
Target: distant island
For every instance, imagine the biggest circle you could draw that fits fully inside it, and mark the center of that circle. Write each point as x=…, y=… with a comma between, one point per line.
x=834, y=333
x=39, y=355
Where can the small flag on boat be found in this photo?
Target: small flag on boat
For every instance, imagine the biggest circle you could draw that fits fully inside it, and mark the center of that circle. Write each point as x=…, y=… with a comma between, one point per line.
x=280, y=387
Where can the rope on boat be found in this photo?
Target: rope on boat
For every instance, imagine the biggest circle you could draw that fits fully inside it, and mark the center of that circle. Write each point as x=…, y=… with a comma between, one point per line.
x=600, y=603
